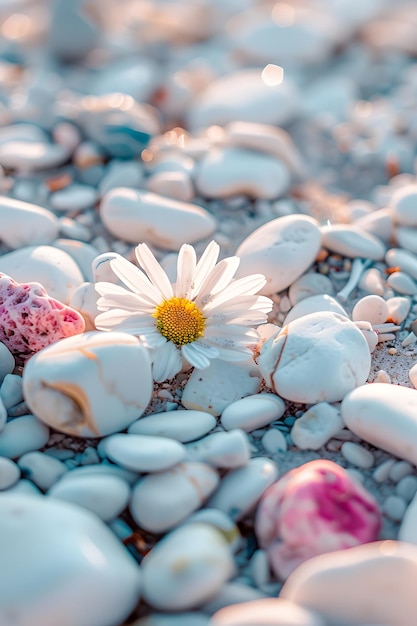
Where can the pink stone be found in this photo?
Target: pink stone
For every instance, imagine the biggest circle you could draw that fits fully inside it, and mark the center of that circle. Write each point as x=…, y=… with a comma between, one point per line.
x=313, y=509
x=31, y=320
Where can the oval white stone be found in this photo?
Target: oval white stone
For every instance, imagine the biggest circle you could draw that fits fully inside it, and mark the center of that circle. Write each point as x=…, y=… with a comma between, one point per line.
x=384, y=416
x=318, y=357
x=281, y=250
x=371, y=308
x=253, y=412
x=84, y=572
x=241, y=489
x=106, y=496
x=405, y=260
x=235, y=171
x=311, y=284
x=137, y=215
x=143, y=453
x=89, y=385
x=182, y=425
x=22, y=434
x=226, y=450
x=345, y=586
x=314, y=304
x=23, y=223
x=186, y=568
x=403, y=204
x=351, y=241
x=53, y=268
x=161, y=501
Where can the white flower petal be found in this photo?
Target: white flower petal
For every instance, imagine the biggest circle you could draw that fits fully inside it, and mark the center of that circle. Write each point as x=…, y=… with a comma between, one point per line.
x=128, y=301
x=186, y=265
x=232, y=331
x=194, y=356
x=136, y=280
x=246, y=286
x=205, y=265
x=103, y=288
x=217, y=280
x=167, y=362
x=154, y=270
x=244, y=317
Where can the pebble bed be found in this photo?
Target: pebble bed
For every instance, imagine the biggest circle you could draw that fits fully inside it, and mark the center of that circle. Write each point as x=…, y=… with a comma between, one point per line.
x=280, y=490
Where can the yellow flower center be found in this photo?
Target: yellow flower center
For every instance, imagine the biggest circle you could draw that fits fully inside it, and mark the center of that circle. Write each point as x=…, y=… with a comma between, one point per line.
x=179, y=320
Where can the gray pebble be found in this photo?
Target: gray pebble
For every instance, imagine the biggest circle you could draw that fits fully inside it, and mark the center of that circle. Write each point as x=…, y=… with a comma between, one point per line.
x=9, y=473
x=394, y=507
x=11, y=390
x=406, y=487
x=399, y=470
x=41, y=469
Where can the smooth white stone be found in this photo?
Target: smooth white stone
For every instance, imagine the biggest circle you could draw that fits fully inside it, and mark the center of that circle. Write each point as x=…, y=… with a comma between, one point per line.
x=274, y=441
x=85, y=575
x=265, y=612
x=319, y=423
x=406, y=237
x=31, y=156
x=403, y=204
x=408, y=528
x=182, y=425
x=241, y=489
x=399, y=470
x=177, y=185
x=398, y=309
x=89, y=385
x=137, y=215
x=243, y=95
x=82, y=253
x=22, y=132
x=268, y=139
x=74, y=230
x=9, y=473
x=161, y=501
x=84, y=300
x=22, y=434
x=378, y=223
x=357, y=455
x=41, y=469
x=402, y=283
x=103, y=469
x=372, y=282
x=23, y=223
x=281, y=250
x=406, y=488
x=102, y=270
x=224, y=450
x=405, y=260
x=318, y=357
x=222, y=522
x=394, y=508
x=7, y=363
x=219, y=384
x=74, y=198
x=234, y=171
x=121, y=174
x=106, y=496
x=351, y=241
x=311, y=284
x=314, y=304
x=371, y=308
x=381, y=473
x=143, y=453
x=186, y=568
x=253, y=412
x=384, y=416
x=53, y=268
x=345, y=586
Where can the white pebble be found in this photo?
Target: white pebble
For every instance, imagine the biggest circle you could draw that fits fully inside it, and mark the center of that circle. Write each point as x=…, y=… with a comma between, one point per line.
x=274, y=441
x=402, y=283
x=143, y=453
x=253, y=412
x=41, y=469
x=310, y=284
x=11, y=390
x=23, y=223
x=317, y=426
x=9, y=473
x=351, y=241
x=259, y=568
x=406, y=487
x=357, y=455
x=22, y=434
x=225, y=450
x=7, y=362
x=399, y=470
x=381, y=473
x=182, y=425
x=371, y=308
x=394, y=507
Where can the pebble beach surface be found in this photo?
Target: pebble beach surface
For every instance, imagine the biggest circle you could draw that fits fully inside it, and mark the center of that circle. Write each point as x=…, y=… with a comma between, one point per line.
x=262, y=472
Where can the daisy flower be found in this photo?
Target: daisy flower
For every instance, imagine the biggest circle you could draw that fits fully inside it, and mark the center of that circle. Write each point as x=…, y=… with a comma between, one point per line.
x=205, y=315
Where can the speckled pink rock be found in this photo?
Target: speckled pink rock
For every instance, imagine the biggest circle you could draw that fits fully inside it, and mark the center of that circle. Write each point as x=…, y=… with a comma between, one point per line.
x=31, y=320
x=313, y=509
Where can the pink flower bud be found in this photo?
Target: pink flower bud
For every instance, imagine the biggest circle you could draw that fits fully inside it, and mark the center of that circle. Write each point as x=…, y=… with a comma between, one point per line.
x=313, y=509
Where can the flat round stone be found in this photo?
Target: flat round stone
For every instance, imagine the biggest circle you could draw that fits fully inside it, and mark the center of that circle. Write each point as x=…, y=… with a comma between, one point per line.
x=143, y=453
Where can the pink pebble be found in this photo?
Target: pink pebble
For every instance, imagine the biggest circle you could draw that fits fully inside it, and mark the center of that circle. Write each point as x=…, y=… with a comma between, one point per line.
x=313, y=509
x=31, y=320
